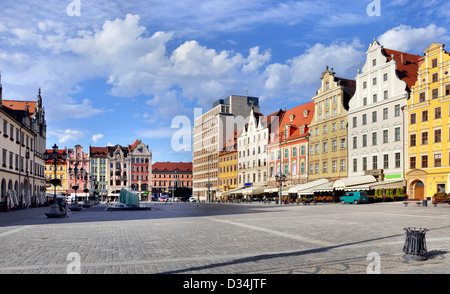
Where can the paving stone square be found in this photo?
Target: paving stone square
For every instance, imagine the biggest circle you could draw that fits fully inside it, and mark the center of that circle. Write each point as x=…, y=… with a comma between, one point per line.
x=207, y=238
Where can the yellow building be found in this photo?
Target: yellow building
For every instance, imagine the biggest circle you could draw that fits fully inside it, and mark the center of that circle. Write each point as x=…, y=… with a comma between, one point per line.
x=61, y=174
x=427, y=116
x=328, y=129
x=228, y=167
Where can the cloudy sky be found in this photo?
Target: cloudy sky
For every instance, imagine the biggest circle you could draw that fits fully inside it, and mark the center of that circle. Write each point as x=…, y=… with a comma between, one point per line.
x=113, y=71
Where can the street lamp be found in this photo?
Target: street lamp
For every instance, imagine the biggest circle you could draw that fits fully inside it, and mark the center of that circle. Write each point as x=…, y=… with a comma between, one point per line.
x=280, y=178
x=55, y=156
x=76, y=206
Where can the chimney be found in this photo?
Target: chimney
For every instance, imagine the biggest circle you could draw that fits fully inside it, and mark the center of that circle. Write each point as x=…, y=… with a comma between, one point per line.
x=402, y=56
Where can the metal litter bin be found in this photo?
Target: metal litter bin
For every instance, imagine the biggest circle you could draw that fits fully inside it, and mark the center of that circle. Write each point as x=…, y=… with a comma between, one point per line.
x=424, y=203
x=415, y=245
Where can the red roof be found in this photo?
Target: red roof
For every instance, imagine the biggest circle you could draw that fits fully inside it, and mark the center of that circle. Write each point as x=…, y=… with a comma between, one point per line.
x=172, y=166
x=20, y=105
x=98, y=151
x=407, y=65
x=132, y=146
x=60, y=151
x=295, y=118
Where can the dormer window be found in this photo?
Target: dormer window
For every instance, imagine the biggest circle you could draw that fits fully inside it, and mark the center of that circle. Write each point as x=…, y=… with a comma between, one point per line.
x=291, y=117
x=305, y=113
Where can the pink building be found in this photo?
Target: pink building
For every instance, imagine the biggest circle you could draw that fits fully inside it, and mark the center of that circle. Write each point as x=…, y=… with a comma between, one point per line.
x=76, y=158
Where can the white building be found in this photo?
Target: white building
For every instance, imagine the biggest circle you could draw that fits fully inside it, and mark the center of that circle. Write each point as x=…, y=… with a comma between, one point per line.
x=22, y=146
x=252, y=152
x=375, y=115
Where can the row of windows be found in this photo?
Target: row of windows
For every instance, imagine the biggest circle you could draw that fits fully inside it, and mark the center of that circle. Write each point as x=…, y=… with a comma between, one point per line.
x=20, y=136
x=375, y=164
x=288, y=169
x=424, y=161
x=248, y=141
x=425, y=116
x=251, y=178
x=286, y=153
x=424, y=138
x=325, y=128
x=19, y=163
x=169, y=183
x=334, y=143
x=385, y=138
x=434, y=93
x=385, y=111
x=314, y=167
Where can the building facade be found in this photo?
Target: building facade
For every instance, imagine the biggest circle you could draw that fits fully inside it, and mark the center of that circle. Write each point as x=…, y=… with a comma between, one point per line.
x=328, y=129
x=252, y=152
x=22, y=144
x=210, y=133
x=61, y=173
x=141, y=169
x=78, y=170
x=228, y=166
x=118, y=168
x=98, y=157
x=427, y=115
x=288, y=146
x=172, y=178
x=375, y=116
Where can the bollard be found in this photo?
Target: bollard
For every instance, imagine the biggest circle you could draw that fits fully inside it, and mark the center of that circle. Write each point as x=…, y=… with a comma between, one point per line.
x=415, y=245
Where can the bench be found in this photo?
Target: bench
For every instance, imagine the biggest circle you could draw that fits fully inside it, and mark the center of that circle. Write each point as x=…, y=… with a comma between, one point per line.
x=437, y=200
x=418, y=201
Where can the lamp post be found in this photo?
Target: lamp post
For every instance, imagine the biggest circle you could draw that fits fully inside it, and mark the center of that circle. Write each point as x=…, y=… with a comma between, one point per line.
x=75, y=206
x=55, y=156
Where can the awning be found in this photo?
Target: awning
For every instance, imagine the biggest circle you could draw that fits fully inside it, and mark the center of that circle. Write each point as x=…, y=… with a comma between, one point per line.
x=253, y=191
x=305, y=189
x=276, y=189
x=327, y=187
x=388, y=184
x=344, y=184
x=232, y=191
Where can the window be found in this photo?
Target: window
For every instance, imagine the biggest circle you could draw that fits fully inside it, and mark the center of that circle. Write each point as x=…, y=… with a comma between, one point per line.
x=424, y=161
x=425, y=115
x=342, y=164
x=334, y=145
x=286, y=153
x=397, y=160
x=364, y=119
x=374, y=62
x=386, y=94
x=397, y=134
x=437, y=160
x=422, y=97
x=435, y=77
x=364, y=140
x=385, y=77
x=412, y=140
x=342, y=143
x=385, y=161
x=412, y=162
x=437, y=136
x=325, y=147
x=355, y=165
x=364, y=163
x=434, y=63
x=364, y=85
x=374, y=81
x=294, y=152
x=424, y=138
x=374, y=138
x=447, y=90
x=325, y=167
x=374, y=116
x=385, y=136
x=302, y=150
x=385, y=113
x=355, y=124
x=374, y=162
x=397, y=110
x=334, y=166
x=374, y=98
x=355, y=142
x=434, y=93
x=364, y=101
x=412, y=118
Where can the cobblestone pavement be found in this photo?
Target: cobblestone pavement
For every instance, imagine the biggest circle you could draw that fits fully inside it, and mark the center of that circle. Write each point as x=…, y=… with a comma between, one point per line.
x=191, y=238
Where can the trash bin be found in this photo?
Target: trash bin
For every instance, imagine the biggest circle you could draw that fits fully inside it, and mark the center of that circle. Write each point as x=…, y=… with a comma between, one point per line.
x=424, y=203
x=415, y=245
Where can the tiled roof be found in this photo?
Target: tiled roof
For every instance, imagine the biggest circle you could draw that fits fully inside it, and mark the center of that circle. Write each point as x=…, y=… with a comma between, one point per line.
x=407, y=65
x=298, y=120
x=20, y=105
x=132, y=146
x=172, y=166
x=98, y=151
x=60, y=151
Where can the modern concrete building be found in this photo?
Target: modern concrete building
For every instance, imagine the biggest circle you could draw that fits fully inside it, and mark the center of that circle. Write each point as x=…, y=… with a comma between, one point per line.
x=375, y=115
x=210, y=133
x=22, y=148
x=427, y=116
x=328, y=129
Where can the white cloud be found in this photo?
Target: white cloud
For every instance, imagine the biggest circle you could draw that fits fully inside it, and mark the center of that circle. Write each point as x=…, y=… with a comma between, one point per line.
x=97, y=137
x=66, y=135
x=413, y=40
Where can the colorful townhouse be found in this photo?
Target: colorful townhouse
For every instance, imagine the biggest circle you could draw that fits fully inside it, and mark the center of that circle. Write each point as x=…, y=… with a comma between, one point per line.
x=328, y=128
x=375, y=115
x=288, y=146
x=427, y=116
x=61, y=173
x=228, y=167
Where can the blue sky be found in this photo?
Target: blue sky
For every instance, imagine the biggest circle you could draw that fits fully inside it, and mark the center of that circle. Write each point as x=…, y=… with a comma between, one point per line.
x=121, y=71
